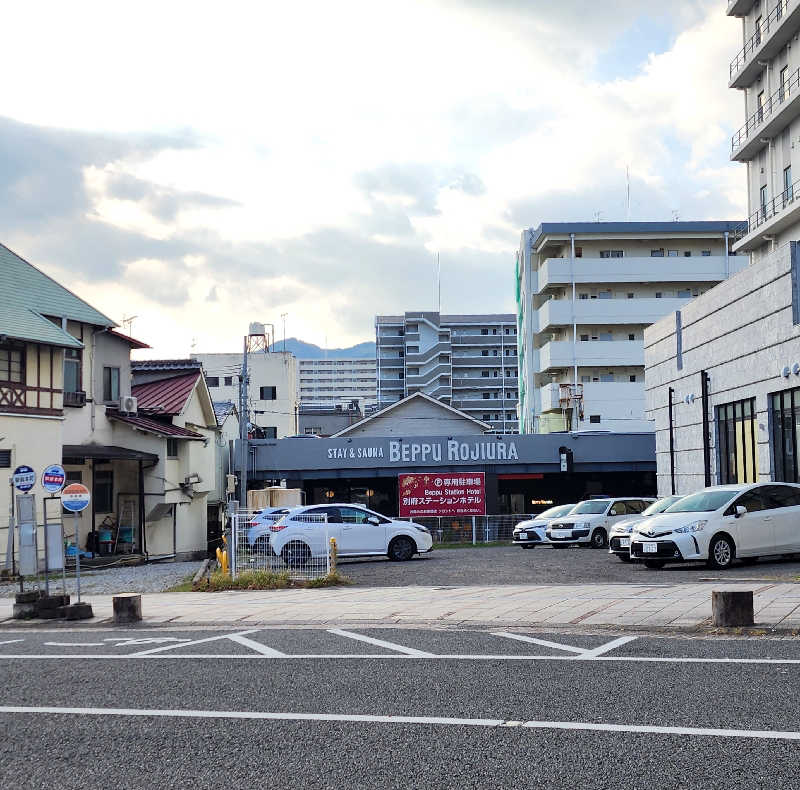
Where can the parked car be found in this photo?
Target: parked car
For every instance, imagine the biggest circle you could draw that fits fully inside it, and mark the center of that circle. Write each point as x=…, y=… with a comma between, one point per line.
x=619, y=539
x=359, y=532
x=531, y=533
x=589, y=522
x=720, y=523
x=259, y=533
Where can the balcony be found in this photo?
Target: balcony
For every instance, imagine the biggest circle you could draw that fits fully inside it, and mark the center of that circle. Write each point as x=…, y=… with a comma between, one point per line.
x=776, y=29
x=602, y=271
x=558, y=312
x=768, y=121
x=396, y=341
x=485, y=404
x=426, y=377
x=484, y=340
x=739, y=7
x=420, y=358
x=485, y=382
x=594, y=353
x=479, y=361
x=773, y=217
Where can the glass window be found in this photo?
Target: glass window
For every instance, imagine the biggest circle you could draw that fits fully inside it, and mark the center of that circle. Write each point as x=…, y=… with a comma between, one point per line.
x=267, y=393
x=706, y=253
x=228, y=381
x=590, y=506
x=595, y=418
x=72, y=370
x=353, y=515
x=110, y=384
x=103, y=493
x=736, y=432
x=12, y=362
x=788, y=192
x=751, y=500
x=657, y=253
x=703, y=501
x=212, y=381
x=172, y=448
x=618, y=509
x=672, y=253
x=780, y=496
x=785, y=409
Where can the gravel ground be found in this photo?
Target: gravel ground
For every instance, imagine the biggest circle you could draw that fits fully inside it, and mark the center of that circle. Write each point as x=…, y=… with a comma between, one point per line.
x=543, y=565
x=155, y=577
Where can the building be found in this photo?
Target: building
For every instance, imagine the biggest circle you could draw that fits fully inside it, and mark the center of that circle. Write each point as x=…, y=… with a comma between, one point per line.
x=723, y=374
x=466, y=361
x=337, y=382
x=316, y=420
x=274, y=388
x=585, y=294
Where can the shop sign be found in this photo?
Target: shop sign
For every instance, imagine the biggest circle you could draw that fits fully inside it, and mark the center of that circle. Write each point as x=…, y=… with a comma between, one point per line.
x=450, y=494
x=53, y=478
x=24, y=478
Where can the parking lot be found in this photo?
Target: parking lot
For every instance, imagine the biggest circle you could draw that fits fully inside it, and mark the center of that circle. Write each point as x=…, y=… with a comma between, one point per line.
x=544, y=565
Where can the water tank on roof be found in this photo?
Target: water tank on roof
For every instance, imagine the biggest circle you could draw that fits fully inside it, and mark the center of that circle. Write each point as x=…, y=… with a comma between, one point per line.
x=257, y=328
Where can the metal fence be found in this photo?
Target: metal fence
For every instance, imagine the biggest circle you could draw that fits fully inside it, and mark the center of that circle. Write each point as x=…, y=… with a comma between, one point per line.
x=299, y=545
x=471, y=529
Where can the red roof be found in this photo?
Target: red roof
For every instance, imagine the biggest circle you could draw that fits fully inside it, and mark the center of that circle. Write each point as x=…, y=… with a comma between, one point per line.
x=166, y=396
x=131, y=341
x=154, y=426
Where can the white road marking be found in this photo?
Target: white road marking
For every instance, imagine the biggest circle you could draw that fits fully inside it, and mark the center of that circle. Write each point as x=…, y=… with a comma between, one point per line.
x=714, y=732
x=542, y=642
x=11, y=641
x=194, y=642
x=74, y=644
x=606, y=648
x=151, y=640
x=257, y=646
x=409, y=651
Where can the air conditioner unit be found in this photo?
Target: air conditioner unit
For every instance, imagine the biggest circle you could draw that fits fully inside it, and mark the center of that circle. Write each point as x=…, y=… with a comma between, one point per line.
x=128, y=405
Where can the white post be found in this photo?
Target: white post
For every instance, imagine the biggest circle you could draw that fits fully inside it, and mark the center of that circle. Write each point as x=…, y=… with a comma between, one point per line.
x=474, y=535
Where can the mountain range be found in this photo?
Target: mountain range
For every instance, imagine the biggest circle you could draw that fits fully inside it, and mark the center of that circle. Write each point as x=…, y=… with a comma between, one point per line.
x=304, y=350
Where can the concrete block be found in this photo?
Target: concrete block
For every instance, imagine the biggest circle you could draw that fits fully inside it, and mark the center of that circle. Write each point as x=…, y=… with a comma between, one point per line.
x=127, y=608
x=732, y=607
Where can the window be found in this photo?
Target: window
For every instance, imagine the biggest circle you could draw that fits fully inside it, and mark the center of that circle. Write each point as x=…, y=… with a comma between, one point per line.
x=268, y=393
x=486, y=396
x=605, y=294
x=658, y=294
x=782, y=83
x=72, y=370
x=494, y=352
x=750, y=501
x=269, y=432
x=707, y=253
x=484, y=331
x=5, y=459
x=584, y=296
x=584, y=337
x=788, y=192
x=672, y=253
x=103, y=493
x=684, y=293
x=657, y=253
x=485, y=374
x=228, y=381
x=212, y=381
x=760, y=107
x=444, y=357
x=585, y=379
x=630, y=296
x=494, y=331
x=631, y=337
x=632, y=378
x=618, y=508
x=611, y=253
x=780, y=496
x=12, y=362
x=486, y=417
x=172, y=448
x=594, y=418
x=110, y=384
x=579, y=252
x=785, y=411
x=687, y=254
x=484, y=353
x=736, y=432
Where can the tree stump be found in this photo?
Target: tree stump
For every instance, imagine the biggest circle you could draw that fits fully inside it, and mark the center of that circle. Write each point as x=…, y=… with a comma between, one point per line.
x=127, y=608
x=732, y=607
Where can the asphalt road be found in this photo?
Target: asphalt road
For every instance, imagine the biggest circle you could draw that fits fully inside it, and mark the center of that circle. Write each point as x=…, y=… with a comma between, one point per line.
x=544, y=565
x=223, y=712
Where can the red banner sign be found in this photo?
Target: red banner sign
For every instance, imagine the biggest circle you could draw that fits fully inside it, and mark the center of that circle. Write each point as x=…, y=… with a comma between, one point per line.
x=451, y=494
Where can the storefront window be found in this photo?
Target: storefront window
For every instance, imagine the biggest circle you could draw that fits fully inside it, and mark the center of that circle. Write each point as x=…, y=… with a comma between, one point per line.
x=736, y=430
x=785, y=409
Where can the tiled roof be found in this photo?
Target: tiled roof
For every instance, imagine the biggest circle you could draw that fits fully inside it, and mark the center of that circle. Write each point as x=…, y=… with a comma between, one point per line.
x=166, y=396
x=166, y=364
x=223, y=409
x=29, y=294
x=131, y=341
x=154, y=426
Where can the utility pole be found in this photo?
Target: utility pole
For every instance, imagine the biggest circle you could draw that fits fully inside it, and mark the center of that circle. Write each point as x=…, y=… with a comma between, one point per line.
x=244, y=381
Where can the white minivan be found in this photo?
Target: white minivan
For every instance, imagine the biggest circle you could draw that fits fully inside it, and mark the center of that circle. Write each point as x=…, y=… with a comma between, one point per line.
x=590, y=521
x=721, y=523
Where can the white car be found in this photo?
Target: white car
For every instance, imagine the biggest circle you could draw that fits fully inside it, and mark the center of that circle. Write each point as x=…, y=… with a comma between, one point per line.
x=531, y=533
x=721, y=523
x=303, y=533
x=258, y=535
x=619, y=539
x=590, y=521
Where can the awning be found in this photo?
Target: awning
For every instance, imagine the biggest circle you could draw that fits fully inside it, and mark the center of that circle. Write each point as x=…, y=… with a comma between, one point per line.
x=78, y=453
x=148, y=425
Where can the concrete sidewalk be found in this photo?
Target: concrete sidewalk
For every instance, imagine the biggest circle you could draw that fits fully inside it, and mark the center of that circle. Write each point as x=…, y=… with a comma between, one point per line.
x=632, y=605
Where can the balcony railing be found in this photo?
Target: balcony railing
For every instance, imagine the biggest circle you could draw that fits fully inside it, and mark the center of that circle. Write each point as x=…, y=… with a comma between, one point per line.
x=774, y=206
x=762, y=32
x=770, y=106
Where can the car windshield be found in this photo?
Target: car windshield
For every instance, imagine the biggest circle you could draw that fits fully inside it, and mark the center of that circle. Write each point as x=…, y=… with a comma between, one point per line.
x=558, y=510
x=590, y=506
x=660, y=505
x=704, y=501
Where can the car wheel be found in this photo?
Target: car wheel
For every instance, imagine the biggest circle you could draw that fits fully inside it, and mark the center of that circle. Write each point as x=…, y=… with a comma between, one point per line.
x=401, y=549
x=296, y=554
x=749, y=560
x=599, y=538
x=721, y=553
x=654, y=565
x=625, y=557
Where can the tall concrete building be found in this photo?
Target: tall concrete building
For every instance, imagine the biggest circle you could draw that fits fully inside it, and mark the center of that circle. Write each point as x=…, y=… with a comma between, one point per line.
x=723, y=381
x=338, y=382
x=585, y=294
x=467, y=361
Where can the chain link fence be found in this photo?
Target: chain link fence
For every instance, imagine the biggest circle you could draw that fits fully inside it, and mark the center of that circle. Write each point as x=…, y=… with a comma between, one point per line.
x=298, y=544
x=471, y=529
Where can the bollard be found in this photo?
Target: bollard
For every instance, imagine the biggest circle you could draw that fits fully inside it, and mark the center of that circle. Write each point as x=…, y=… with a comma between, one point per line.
x=334, y=554
x=732, y=607
x=127, y=608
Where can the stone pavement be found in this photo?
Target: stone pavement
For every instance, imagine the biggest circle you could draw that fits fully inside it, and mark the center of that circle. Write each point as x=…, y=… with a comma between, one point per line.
x=679, y=606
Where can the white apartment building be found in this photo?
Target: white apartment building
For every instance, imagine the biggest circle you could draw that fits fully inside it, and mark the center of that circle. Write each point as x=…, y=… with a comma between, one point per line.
x=466, y=361
x=585, y=294
x=274, y=396
x=338, y=382
x=723, y=381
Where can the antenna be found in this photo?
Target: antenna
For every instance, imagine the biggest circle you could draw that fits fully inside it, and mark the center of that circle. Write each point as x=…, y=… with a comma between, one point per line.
x=283, y=316
x=128, y=322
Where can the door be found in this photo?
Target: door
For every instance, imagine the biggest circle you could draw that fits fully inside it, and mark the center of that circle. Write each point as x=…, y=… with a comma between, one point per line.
x=358, y=532
x=317, y=533
x=754, y=532
x=617, y=512
x=784, y=502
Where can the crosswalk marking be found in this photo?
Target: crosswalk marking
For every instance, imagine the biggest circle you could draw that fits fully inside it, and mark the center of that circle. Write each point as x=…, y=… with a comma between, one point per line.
x=542, y=642
x=606, y=648
x=409, y=651
x=257, y=646
x=194, y=642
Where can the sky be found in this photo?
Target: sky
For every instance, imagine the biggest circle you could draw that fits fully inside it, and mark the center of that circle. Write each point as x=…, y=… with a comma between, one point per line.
x=201, y=165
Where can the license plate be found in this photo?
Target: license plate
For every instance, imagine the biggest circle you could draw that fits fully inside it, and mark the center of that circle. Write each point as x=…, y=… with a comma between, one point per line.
x=561, y=533
x=650, y=548
x=523, y=535
x=626, y=542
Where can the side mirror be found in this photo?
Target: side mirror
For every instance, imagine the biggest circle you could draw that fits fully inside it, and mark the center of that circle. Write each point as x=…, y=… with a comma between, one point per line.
x=374, y=520
x=740, y=511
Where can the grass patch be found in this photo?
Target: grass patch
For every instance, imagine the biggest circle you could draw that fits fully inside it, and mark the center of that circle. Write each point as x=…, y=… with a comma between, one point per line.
x=264, y=580
x=465, y=545
x=184, y=586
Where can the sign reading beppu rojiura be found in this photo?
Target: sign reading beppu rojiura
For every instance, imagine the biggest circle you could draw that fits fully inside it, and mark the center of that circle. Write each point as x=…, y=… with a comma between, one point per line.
x=437, y=451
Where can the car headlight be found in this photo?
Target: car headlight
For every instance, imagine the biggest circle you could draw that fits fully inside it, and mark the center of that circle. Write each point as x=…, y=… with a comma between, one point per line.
x=695, y=526
x=583, y=524
x=420, y=528
x=628, y=528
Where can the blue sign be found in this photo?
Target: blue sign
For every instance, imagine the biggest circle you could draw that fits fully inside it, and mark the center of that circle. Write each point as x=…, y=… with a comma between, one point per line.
x=24, y=478
x=53, y=478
